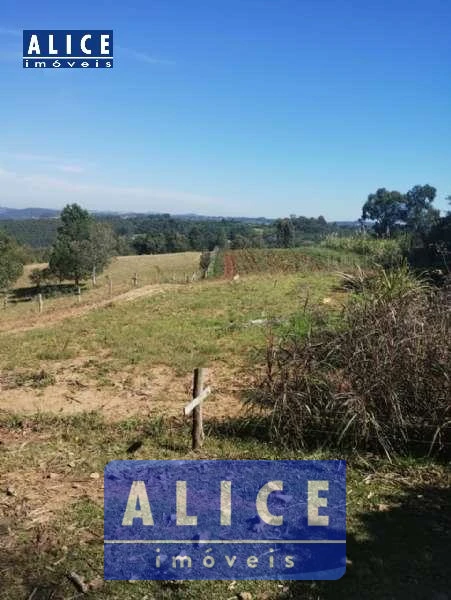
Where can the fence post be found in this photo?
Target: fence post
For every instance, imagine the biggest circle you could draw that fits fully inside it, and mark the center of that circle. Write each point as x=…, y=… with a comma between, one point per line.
x=5, y=302
x=94, y=276
x=135, y=280
x=40, y=303
x=198, y=386
x=79, y=294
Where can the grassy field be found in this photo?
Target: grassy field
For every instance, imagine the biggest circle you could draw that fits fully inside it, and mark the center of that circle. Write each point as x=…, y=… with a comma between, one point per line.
x=77, y=393
x=150, y=269
x=146, y=348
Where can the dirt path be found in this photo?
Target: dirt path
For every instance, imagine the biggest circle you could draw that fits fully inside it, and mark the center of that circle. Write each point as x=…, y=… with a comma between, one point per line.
x=229, y=266
x=50, y=318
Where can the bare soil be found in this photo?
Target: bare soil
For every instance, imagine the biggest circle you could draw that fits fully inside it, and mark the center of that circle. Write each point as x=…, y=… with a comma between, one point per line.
x=157, y=391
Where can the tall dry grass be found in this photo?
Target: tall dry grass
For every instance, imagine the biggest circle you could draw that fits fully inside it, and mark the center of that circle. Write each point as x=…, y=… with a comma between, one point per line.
x=378, y=380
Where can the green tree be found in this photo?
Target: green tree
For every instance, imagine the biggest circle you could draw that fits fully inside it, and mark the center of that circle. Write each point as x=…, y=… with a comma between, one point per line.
x=238, y=242
x=195, y=238
x=103, y=245
x=220, y=239
x=412, y=211
x=420, y=215
x=11, y=261
x=82, y=246
x=285, y=233
x=76, y=223
x=176, y=242
x=386, y=209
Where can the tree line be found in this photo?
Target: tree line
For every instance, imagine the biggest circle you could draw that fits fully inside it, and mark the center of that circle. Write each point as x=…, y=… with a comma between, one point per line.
x=79, y=244
x=160, y=234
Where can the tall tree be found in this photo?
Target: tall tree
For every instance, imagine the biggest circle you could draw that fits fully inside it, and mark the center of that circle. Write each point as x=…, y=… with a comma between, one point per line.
x=386, y=209
x=420, y=215
x=412, y=211
x=11, y=261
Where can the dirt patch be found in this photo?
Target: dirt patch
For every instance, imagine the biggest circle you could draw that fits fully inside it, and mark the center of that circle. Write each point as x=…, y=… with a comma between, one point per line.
x=75, y=387
x=33, y=497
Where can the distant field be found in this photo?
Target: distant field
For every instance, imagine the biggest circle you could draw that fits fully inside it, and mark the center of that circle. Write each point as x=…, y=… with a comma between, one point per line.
x=155, y=268
x=22, y=310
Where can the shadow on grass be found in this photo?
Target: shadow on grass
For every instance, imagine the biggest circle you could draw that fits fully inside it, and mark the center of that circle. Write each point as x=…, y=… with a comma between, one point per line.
x=239, y=428
x=26, y=294
x=401, y=551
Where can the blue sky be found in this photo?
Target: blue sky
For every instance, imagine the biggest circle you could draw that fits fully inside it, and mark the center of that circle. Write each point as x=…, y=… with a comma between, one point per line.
x=230, y=107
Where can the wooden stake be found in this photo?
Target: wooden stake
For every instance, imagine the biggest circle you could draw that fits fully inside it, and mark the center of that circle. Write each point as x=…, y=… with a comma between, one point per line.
x=198, y=386
x=79, y=294
x=40, y=303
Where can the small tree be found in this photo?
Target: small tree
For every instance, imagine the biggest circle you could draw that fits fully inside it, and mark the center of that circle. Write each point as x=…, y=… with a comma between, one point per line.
x=81, y=246
x=11, y=261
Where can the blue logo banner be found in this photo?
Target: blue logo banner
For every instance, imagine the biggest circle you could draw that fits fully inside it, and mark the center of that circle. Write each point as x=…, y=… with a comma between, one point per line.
x=225, y=519
x=70, y=49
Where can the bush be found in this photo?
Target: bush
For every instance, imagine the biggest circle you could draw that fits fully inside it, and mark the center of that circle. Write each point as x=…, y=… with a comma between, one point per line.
x=380, y=380
x=11, y=261
x=385, y=252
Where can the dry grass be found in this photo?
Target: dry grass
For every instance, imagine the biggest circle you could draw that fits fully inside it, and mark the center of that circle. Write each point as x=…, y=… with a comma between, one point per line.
x=379, y=380
x=22, y=310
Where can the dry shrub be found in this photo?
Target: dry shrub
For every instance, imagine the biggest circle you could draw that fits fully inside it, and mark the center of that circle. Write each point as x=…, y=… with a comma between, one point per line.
x=379, y=380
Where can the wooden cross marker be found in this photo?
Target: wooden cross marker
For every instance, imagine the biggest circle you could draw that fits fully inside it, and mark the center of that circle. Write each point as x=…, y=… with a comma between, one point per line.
x=195, y=407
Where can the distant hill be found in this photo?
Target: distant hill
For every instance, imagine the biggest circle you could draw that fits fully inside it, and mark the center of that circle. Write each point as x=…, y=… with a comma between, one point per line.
x=52, y=213
x=18, y=214
x=27, y=213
